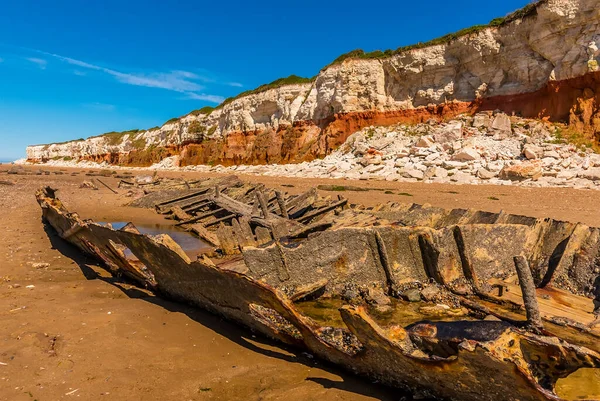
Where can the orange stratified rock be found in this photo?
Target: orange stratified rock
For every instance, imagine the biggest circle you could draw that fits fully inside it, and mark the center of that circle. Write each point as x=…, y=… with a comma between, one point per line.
x=574, y=101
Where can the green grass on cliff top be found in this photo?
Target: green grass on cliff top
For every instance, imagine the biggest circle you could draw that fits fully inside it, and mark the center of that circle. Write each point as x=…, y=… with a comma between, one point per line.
x=527, y=11
x=291, y=80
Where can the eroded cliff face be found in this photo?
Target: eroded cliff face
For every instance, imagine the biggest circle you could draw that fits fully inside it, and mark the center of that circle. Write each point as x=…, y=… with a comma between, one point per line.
x=543, y=66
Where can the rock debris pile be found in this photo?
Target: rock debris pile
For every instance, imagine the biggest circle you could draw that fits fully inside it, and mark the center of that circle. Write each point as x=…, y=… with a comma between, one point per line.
x=488, y=148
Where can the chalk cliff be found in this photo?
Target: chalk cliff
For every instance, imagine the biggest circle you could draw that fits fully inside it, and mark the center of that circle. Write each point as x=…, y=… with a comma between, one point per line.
x=543, y=64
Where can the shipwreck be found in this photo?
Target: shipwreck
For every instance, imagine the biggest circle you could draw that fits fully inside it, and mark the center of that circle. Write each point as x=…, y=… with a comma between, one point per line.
x=457, y=304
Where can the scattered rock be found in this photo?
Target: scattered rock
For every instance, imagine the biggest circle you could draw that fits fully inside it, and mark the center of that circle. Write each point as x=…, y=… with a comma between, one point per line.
x=481, y=120
x=486, y=174
x=591, y=174
x=430, y=293
x=144, y=179
x=414, y=173
x=466, y=155
x=89, y=185
x=424, y=142
x=532, y=152
x=520, y=172
x=501, y=124
x=40, y=265
x=377, y=297
x=552, y=154
x=451, y=132
x=566, y=175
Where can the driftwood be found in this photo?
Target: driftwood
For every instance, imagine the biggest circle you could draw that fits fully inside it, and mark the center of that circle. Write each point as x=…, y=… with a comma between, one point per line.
x=109, y=188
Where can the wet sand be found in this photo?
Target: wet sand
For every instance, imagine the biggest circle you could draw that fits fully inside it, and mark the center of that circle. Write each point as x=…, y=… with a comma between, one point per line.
x=81, y=334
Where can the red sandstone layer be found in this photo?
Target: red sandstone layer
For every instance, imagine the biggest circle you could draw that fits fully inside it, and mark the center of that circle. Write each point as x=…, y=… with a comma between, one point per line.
x=575, y=101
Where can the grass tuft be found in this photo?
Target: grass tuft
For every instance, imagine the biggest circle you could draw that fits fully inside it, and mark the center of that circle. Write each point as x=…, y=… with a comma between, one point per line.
x=572, y=136
x=291, y=80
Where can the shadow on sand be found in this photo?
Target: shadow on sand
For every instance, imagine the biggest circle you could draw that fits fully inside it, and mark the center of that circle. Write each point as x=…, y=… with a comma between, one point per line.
x=90, y=268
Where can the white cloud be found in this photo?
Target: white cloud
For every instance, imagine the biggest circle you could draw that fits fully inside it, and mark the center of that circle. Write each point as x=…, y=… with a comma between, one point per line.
x=80, y=73
x=208, y=98
x=177, y=80
x=173, y=80
x=41, y=63
x=235, y=84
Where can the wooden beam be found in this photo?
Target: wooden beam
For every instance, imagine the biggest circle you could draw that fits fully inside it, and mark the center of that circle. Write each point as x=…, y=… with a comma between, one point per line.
x=281, y=203
x=102, y=182
x=200, y=217
x=184, y=197
x=529, y=294
x=323, y=210
x=263, y=204
x=217, y=221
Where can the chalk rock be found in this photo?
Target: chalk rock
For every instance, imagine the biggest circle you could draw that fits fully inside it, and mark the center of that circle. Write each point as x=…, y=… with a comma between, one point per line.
x=413, y=173
x=591, y=174
x=466, y=155
x=424, y=142
x=451, y=132
x=532, y=152
x=481, y=120
x=522, y=171
x=566, y=175
x=486, y=174
x=552, y=153
x=501, y=123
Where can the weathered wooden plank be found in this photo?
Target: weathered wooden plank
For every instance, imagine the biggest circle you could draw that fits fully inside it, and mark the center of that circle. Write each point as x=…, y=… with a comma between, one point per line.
x=263, y=204
x=205, y=234
x=178, y=214
x=200, y=217
x=282, y=206
x=323, y=210
x=227, y=241
x=247, y=231
x=241, y=234
x=263, y=235
x=217, y=221
x=184, y=197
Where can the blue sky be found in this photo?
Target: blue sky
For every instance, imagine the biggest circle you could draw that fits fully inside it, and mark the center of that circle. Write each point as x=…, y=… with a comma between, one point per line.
x=72, y=69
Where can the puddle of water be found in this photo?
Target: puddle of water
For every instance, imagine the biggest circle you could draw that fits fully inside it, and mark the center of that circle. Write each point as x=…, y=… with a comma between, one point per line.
x=402, y=313
x=581, y=385
x=191, y=245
